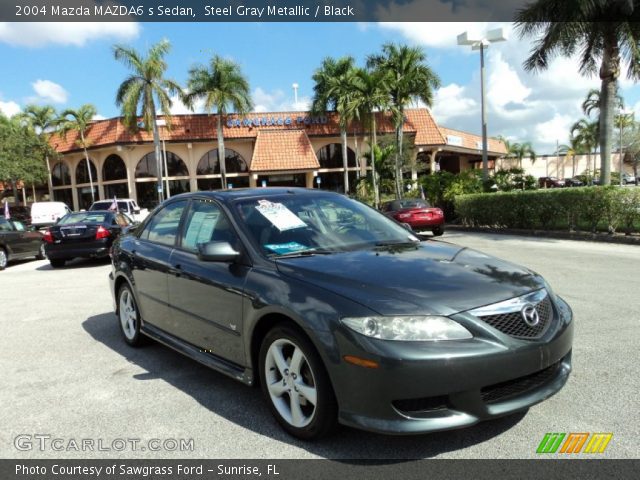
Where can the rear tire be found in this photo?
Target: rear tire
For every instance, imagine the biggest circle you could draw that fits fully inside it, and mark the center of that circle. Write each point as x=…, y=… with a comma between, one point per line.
x=4, y=258
x=129, y=317
x=295, y=384
x=57, y=262
x=438, y=231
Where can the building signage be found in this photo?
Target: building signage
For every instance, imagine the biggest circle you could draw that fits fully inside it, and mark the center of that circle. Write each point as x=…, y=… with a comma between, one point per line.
x=454, y=140
x=276, y=121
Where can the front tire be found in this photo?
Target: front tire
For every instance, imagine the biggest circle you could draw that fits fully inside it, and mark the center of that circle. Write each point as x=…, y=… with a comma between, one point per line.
x=296, y=385
x=129, y=317
x=41, y=255
x=438, y=231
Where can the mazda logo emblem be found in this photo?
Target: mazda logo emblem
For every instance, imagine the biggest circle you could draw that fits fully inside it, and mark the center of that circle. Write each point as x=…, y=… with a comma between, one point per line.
x=530, y=315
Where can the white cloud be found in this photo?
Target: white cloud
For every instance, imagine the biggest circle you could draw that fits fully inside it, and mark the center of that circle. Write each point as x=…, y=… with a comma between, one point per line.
x=50, y=91
x=9, y=108
x=97, y=117
x=522, y=106
x=453, y=101
x=65, y=33
x=179, y=108
x=277, y=100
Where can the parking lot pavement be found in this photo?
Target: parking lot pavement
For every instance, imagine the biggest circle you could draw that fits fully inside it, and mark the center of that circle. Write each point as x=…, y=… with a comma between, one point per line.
x=67, y=373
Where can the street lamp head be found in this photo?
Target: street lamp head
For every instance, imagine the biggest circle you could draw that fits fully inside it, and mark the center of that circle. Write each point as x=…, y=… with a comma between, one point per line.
x=496, y=35
x=464, y=39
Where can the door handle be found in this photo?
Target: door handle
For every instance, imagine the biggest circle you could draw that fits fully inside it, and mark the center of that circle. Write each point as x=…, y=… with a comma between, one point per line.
x=177, y=270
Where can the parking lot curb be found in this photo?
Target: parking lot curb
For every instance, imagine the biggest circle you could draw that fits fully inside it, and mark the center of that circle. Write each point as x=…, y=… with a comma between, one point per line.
x=620, y=238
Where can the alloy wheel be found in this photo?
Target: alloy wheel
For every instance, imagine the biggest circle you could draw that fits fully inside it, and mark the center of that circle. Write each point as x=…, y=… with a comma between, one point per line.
x=291, y=383
x=128, y=314
x=3, y=259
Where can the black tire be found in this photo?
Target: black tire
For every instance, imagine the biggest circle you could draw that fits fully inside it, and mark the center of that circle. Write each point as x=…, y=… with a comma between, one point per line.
x=132, y=334
x=57, y=262
x=323, y=417
x=41, y=255
x=4, y=258
x=438, y=231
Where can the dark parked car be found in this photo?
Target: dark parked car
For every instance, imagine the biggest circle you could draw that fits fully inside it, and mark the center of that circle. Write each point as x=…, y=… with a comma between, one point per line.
x=18, y=242
x=354, y=322
x=573, y=182
x=418, y=214
x=83, y=235
x=21, y=214
x=550, y=182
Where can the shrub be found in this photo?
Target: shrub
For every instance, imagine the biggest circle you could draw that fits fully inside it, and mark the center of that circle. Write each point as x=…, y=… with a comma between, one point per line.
x=595, y=208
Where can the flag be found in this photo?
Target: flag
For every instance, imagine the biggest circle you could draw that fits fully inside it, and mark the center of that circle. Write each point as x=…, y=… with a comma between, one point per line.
x=7, y=215
x=114, y=205
x=422, y=192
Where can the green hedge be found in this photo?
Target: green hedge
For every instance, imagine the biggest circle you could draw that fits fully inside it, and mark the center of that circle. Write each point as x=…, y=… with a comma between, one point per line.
x=587, y=208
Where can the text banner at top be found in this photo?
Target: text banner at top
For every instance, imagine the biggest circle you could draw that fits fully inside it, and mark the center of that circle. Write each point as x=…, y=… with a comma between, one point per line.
x=281, y=10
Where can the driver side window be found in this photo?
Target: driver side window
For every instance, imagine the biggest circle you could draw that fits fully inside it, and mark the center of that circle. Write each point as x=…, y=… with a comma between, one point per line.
x=163, y=227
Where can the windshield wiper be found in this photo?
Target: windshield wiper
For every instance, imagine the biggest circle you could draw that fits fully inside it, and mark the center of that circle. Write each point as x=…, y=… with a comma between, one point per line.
x=303, y=253
x=407, y=243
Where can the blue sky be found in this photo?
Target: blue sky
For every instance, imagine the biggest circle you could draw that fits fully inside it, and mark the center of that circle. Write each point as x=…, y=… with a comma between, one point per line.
x=67, y=65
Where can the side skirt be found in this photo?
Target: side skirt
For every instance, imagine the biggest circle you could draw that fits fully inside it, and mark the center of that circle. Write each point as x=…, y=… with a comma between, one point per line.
x=233, y=370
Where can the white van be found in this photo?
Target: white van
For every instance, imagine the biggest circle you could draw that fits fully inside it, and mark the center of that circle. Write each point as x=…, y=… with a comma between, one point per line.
x=44, y=214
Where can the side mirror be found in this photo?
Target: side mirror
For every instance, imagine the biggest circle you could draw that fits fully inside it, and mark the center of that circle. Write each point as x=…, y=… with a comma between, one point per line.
x=217, y=252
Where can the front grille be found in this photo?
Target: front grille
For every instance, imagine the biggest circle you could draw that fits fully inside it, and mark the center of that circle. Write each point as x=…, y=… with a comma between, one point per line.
x=513, y=324
x=511, y=388
x=426, y=404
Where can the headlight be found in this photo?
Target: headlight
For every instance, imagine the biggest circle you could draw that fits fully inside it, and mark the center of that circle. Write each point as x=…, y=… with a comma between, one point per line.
x=416, y=329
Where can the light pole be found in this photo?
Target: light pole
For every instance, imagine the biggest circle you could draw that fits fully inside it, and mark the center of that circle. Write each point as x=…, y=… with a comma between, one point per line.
x=295, y=95
x=481, y=43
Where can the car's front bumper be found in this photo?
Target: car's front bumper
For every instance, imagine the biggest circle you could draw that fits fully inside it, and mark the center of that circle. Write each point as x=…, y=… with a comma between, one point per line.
x=430, y=386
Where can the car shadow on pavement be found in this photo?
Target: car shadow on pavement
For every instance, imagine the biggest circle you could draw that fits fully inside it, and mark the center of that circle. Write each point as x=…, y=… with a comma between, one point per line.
x=245, y=406
x=78, y=263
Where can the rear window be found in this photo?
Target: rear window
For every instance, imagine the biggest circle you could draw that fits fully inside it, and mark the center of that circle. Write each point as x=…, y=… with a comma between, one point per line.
x=83, y=217
x=106, y=205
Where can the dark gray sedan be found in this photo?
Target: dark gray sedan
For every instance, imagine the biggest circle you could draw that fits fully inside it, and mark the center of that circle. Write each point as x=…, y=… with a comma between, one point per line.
x=339, y=313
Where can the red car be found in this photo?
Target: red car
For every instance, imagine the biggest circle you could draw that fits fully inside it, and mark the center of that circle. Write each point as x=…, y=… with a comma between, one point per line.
x=416, y=213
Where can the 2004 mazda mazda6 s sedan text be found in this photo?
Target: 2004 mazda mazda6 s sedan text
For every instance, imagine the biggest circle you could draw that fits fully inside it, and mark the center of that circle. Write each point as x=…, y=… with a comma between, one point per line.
x=339, y=313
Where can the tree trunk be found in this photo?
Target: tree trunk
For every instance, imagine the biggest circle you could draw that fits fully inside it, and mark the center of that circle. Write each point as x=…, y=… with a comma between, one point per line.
x=221, y=155
x=86, y=157
x=609, y=72
x=372, y=146
x=345, y=163
x=573, y=165
x=398, y=168
x=14, y=187
x=156, y=144
x=355, y=142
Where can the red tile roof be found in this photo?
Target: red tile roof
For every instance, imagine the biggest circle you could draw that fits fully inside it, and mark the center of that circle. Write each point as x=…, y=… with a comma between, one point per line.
x=471, y=141
x=283, y=150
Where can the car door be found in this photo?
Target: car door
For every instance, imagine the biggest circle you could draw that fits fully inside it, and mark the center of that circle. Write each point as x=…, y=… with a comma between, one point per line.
x=150, y=254
x=206, y=297
x=27, y=241
x=10, y=238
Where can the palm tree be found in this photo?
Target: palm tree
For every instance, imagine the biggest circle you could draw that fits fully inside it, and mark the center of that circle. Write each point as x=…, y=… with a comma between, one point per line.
x=585, y=134
x=146, y=88
x=571, y=150
x=592, y=102
x=333, y=90
x=222, y=85
x=520, y=151
x=79, y=121
x=370, y=95
x=605, y=33
x=44, y=120
x=408, y=78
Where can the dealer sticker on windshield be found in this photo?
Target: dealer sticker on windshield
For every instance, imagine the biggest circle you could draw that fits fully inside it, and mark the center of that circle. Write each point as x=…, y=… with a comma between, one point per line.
x=284, y=248
x=280, y=216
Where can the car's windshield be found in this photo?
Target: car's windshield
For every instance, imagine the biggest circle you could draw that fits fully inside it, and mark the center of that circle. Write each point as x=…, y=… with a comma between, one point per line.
x=106, y=205
x=83, y=217
x=323, y=223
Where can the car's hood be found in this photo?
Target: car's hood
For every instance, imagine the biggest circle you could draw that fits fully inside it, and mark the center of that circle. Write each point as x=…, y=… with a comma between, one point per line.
x=430, y=278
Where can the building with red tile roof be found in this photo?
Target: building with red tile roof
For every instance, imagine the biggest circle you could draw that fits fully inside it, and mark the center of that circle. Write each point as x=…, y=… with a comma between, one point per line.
x=274, y=148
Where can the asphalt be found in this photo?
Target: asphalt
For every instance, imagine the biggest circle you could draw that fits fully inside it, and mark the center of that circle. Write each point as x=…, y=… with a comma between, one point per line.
x=65, y=372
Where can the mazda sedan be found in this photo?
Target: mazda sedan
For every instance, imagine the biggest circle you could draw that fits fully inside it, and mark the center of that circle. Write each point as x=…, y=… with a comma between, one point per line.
x=339, y=313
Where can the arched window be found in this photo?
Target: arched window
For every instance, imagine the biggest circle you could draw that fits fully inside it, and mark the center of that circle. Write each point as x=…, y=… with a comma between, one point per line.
x=147, y=166
x=114, y=168
x=82, y=174
x=330, y=156
x=60, y=175
x=209, y=165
